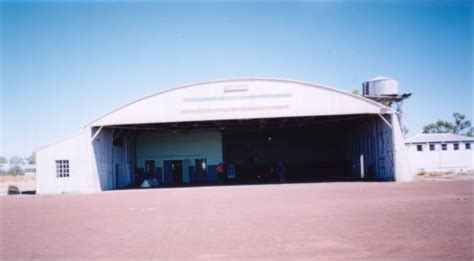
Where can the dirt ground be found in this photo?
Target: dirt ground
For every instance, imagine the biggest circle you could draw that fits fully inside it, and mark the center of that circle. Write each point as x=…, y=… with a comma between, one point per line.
x=445, y=175
x=345, y=220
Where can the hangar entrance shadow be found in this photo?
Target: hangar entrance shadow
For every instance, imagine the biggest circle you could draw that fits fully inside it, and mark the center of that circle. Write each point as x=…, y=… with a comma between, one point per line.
x=311, y=149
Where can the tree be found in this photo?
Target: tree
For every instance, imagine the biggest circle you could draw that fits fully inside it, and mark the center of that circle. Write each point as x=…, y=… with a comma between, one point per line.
x=17, y=161
x=470, y=132
x=439, y=127
x=16, y=171
x=356, y=92
x=460, y=126
x=3, y=161
x=31, y=159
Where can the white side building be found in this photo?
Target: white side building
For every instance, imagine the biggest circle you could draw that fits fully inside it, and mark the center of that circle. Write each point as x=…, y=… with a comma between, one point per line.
x=440, y=151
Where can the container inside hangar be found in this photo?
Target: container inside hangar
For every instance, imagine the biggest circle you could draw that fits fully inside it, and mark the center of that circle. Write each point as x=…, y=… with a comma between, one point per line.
x=179, y=136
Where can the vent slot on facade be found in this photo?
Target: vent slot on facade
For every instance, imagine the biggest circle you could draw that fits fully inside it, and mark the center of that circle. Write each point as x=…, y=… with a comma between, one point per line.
x=236, y=88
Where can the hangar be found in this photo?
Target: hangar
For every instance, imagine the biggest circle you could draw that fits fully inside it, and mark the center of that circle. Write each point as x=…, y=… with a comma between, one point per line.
x=178, y=136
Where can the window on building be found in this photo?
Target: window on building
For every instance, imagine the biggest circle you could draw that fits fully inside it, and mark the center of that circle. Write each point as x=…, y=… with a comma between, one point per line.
x=432, y=147
x=419, y=147
x=444, y=146
x=468, y=146
x=456, y=146
x=62, y=168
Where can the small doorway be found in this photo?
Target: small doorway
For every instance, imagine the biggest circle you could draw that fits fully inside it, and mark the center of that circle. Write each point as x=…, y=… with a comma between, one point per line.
x=149, y=168
x=173, y=172
x=177, y=172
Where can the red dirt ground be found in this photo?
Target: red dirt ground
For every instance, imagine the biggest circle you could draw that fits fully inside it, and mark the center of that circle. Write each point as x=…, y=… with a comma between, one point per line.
x=419, y=220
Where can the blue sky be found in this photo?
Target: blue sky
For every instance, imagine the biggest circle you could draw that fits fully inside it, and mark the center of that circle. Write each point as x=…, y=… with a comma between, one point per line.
x=65, y=64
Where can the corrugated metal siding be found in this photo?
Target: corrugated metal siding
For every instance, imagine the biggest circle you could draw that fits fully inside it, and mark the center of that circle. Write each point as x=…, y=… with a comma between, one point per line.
x=372, y=139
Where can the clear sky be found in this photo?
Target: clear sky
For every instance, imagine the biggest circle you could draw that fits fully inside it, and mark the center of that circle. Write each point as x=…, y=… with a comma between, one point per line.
x=65, y=64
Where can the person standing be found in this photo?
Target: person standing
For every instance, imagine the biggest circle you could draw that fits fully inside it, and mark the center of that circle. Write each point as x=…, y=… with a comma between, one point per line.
x=281, y=172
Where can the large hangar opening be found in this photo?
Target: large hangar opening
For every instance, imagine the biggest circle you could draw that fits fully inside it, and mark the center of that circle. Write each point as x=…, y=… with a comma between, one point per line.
x=324, y=148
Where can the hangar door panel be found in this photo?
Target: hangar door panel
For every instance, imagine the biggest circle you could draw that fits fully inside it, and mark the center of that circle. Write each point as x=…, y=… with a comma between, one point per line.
x=384, y=151
x=308, y=153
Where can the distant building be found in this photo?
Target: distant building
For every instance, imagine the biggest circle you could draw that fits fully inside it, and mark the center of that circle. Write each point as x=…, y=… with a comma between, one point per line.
x=440, y=151
x=29, y=169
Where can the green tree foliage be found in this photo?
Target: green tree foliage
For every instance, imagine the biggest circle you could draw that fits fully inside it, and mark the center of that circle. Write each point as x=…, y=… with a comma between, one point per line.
x=31, y=159
x=470, y=132
x=3, y=161
x=17, y=161
x=461, y=125
x=439, y=127
x=15, y=171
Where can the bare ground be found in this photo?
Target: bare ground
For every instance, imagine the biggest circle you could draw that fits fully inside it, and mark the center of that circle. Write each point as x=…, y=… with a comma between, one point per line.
x=402, y=221
x=445, y=175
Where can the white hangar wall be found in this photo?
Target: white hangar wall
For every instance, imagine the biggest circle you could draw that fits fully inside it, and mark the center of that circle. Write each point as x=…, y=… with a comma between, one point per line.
x=77, y=151
x=401, y=168
x=96, y=163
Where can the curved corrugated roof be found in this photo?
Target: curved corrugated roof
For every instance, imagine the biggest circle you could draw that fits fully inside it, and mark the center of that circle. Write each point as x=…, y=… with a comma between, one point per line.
x=230, y=81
